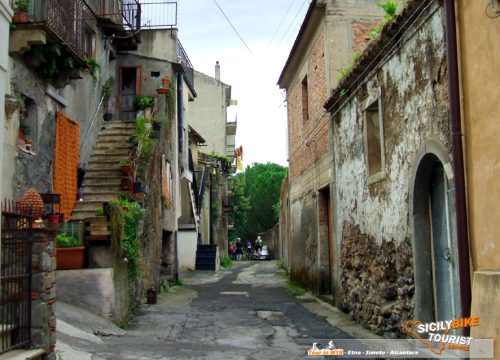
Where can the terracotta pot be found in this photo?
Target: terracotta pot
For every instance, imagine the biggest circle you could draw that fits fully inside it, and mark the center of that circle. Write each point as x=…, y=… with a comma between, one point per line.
x=20, y=18
x=126, y=169
x=70, y=258
x=162, y=90
x=165, y=82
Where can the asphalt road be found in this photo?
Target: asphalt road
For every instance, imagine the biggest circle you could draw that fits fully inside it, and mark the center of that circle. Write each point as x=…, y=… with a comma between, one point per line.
x=244, y=313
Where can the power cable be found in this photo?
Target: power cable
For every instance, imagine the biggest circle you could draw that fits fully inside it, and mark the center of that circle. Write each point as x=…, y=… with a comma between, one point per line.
x=230, y=23
x=293, y=21
x=281, y=22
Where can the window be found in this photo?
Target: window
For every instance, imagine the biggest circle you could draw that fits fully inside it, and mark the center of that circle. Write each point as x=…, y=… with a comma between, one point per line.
x=374, y=141
x=28, y=126
x=88, y=41
x=305, y=100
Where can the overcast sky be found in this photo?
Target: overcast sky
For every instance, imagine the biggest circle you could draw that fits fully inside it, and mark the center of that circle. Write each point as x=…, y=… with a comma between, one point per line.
x=269, y=28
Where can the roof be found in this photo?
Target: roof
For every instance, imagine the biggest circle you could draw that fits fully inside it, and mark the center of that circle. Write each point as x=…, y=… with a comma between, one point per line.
x=375, y=52
x=298, y=40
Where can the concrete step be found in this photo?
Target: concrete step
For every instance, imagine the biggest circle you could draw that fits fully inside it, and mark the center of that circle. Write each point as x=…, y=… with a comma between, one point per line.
x=103, y=165
x=116, y=132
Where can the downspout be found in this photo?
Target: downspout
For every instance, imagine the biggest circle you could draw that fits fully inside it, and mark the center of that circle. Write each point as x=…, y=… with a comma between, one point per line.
x=458, y=160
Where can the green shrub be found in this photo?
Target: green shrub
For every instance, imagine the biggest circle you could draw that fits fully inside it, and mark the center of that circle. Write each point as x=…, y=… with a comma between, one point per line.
x=142, y=102
x=64, y=240
x=225, y=261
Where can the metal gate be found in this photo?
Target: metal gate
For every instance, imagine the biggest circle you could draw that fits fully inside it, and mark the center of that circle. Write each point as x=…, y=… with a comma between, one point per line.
x=15, y=278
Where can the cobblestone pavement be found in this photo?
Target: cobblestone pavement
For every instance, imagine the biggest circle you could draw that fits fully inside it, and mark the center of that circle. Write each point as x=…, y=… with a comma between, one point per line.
x=242, y=313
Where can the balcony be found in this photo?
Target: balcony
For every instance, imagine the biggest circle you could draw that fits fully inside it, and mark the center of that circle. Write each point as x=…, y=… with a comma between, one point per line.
x=70, y=22
x=121, y=20
x=187, y=67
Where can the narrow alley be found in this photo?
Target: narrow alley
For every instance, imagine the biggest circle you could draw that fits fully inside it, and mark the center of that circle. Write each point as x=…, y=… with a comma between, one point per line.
x=243, y=313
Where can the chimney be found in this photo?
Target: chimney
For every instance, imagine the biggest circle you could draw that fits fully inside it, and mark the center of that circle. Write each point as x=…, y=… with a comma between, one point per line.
x=217, y=71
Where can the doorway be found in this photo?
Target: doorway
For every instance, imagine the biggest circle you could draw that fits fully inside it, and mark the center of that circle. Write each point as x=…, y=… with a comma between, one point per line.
x=130, y=87
x=325, y=241
x=434, y=245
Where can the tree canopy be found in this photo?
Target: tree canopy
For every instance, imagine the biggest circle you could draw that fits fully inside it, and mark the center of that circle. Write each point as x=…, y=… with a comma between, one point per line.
x=257, y=197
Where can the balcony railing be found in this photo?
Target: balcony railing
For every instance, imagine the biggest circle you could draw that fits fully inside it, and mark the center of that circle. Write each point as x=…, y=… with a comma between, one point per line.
x=185, y=62
x=71, y=21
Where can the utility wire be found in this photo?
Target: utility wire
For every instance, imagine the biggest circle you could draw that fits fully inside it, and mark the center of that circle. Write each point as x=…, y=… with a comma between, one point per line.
x=236, y=31
x=281, y=22
x=293, y=21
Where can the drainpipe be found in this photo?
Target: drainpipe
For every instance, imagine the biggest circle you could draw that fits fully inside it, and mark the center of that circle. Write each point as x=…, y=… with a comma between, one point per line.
x=458, y=160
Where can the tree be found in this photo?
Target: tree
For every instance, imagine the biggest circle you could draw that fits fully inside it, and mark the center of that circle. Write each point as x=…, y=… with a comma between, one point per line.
x=257, y=193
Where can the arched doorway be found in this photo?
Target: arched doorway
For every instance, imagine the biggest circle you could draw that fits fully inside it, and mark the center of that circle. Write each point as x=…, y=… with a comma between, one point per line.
x=437, y=295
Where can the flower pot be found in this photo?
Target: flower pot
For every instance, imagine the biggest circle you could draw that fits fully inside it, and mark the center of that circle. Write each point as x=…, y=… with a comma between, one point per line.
x=52, y=221
x=22, y=134
x=126, y=169
x=156, y=125
x=151, y=296
x=162, y=90
x=20, y=18
x=107, y=117
x=165, y=82
x=70, y=258
x=137, y=187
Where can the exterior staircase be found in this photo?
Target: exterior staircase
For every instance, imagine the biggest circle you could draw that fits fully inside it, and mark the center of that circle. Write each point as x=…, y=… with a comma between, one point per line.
x=207, y=257
x=103, y=177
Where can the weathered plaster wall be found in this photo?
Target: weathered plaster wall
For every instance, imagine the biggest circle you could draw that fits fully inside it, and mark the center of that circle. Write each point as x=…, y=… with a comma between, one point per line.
x=5, y=18
x=83, y=96
x=159, y=44
x=207, y=114
x=412, y=84
x=187, y=241
x=480, y=61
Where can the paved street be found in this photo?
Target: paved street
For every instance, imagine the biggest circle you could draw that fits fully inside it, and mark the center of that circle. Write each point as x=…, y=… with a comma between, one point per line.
x=243, y=313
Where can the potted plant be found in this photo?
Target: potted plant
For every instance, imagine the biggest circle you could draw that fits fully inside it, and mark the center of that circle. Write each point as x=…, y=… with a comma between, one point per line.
x=106, y=93
x=145, y=103
x=92, y=66
x=69, y=252
x=126, y=165
x=24, y=130
x=21, y=8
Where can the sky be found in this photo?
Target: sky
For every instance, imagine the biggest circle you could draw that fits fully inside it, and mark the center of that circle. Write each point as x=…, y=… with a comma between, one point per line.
x=268, y=28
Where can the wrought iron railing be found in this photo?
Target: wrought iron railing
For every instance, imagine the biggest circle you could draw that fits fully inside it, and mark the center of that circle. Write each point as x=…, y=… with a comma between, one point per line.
x=15, y=280
x=185, y=62
x=131, y=13
x=72, y=21
x=159, y=14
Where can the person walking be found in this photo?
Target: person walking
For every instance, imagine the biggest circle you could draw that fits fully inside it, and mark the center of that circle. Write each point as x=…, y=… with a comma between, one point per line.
x=239, y=249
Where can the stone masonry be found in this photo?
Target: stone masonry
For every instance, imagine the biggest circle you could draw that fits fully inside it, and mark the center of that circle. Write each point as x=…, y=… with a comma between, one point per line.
x=43, y=292
x=377, y=281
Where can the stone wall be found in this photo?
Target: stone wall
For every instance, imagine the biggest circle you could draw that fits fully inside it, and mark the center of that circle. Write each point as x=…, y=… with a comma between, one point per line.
x=373, y=211
x=377, y=281
x=43, y=292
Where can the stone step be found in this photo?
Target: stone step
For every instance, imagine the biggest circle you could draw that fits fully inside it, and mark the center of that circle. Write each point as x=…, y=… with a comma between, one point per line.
x=108, y=156
x=115, y=132
x=103, y=165
x=100, y=196
x=103, y=173
x=119, y=125
x=101, y=188
x=96, y=180
x=88, y=205
x=124, y=151
x=82, y=215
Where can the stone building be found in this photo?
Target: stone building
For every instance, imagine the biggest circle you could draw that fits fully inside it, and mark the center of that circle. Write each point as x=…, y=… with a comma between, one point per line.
x=396, y=249
x=331, y=32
